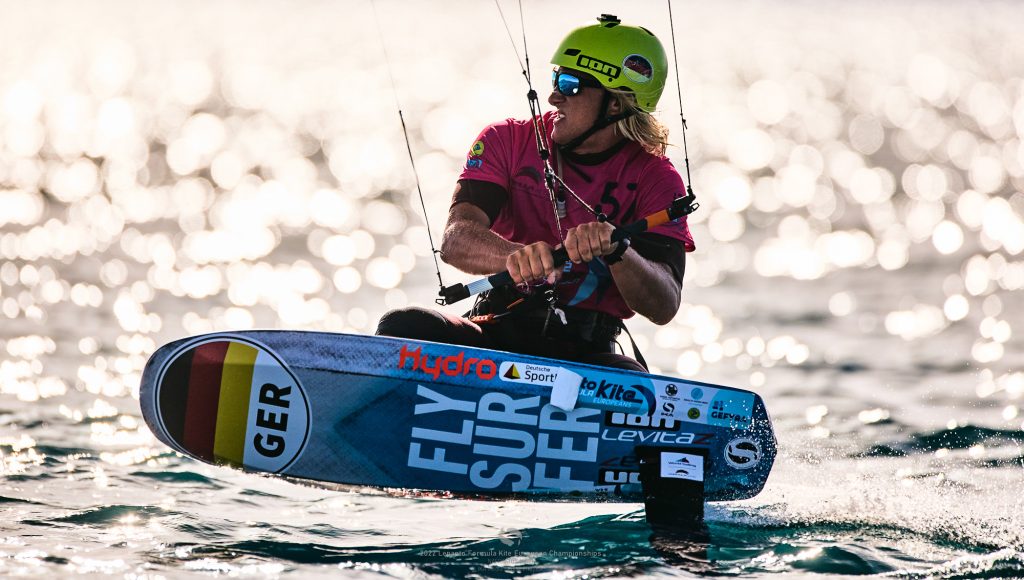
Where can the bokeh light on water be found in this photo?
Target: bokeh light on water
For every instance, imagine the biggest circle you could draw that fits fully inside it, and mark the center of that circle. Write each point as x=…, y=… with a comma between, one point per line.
x=172, y=170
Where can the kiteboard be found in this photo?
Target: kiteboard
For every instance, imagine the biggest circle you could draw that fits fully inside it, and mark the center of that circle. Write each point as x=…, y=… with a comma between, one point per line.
x=399, y=414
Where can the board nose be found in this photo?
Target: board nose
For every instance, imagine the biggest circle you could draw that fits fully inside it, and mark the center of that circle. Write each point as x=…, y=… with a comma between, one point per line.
x=225, y=400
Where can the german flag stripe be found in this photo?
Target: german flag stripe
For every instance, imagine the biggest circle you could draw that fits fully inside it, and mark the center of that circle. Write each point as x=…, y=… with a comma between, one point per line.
x=233, y=406
x=204, y=398
x=173, y=395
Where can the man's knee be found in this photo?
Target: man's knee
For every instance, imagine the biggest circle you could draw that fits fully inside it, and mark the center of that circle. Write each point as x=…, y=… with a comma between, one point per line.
x=615, y=361
x=411, y=323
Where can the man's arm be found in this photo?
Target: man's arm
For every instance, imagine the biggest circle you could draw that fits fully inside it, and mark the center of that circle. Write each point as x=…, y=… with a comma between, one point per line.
x=469, y=244
x=649, y=287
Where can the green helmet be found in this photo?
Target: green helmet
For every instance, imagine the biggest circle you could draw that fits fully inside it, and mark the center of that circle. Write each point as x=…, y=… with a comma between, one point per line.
x=619, y=57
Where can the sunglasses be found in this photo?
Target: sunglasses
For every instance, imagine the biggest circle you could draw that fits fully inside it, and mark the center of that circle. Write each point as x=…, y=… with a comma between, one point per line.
x=570, y=85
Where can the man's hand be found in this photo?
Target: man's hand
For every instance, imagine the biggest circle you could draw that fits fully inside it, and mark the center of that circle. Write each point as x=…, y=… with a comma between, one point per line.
x=588, y=241
x=532, y=263
x=583, y=243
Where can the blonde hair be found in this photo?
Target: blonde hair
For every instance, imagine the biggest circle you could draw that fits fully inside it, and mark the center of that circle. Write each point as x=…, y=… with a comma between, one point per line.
x=641, y=126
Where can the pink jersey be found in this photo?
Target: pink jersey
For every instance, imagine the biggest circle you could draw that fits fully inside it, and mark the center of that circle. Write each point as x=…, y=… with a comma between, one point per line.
x=628, y=186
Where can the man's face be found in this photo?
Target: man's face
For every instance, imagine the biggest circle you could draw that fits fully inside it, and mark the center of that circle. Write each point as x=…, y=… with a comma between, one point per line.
x=575, y=114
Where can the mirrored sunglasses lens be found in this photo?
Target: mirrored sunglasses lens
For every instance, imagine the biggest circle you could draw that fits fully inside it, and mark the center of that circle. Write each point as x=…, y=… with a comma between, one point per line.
x=567, y=84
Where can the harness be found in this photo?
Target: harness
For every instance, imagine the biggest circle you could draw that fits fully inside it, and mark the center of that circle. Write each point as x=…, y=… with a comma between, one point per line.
x=517, y=317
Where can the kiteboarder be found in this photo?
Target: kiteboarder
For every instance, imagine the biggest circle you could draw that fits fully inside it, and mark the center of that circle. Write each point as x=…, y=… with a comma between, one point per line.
x=607, y=167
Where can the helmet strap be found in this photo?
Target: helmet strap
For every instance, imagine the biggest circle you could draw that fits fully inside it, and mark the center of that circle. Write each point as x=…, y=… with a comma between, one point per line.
x=603, y=120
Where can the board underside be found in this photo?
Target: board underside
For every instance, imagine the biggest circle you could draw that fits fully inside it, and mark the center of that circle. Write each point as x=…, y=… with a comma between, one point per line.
x=359, y=411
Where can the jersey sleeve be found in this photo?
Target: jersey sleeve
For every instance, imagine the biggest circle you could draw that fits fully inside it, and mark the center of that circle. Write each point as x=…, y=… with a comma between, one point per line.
x=487, y=196
x=490, y=157
x=660, y=185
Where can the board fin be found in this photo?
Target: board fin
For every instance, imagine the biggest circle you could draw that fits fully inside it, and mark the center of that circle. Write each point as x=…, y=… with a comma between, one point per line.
x=673, y=485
